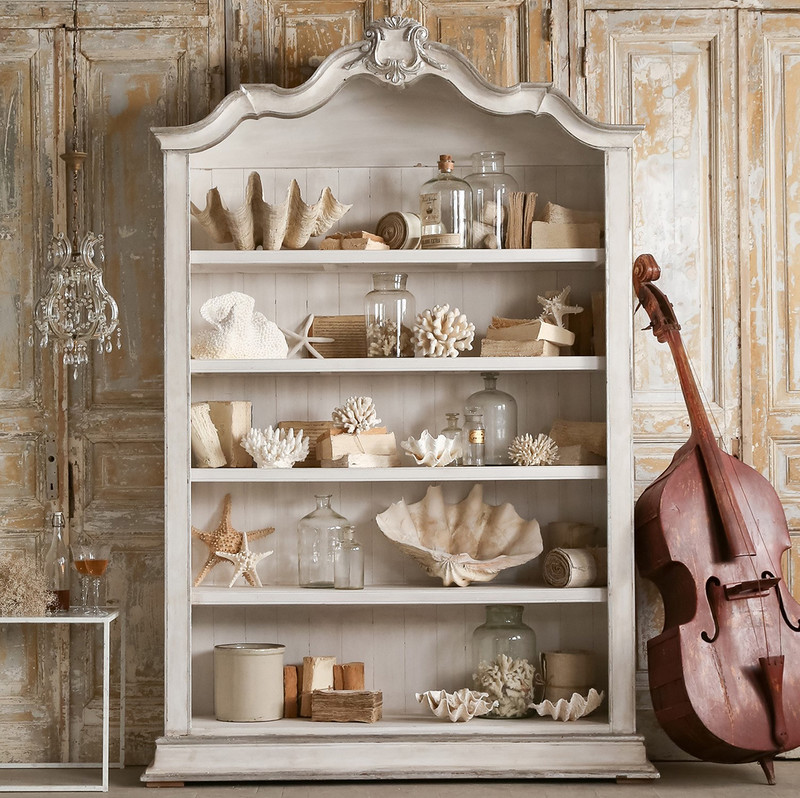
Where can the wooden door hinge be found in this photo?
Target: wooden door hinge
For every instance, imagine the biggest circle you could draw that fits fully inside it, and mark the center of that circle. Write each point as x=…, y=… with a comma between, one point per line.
x=582, y=62
x=238, y=25
x=547, y=21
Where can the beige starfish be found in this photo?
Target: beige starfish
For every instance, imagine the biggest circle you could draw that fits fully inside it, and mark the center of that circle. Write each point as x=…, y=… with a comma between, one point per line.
x=556, y=307
x=245, y=562
x=224, y=538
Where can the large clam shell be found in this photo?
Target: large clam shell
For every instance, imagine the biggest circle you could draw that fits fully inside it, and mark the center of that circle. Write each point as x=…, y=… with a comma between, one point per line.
x=461, y=706
x=461, y=543
x=429, y=451
x=576, y=707
x=257, y=223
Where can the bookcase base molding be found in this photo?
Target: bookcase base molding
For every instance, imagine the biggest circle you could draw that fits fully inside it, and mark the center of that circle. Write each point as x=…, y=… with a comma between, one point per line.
x=391, y=755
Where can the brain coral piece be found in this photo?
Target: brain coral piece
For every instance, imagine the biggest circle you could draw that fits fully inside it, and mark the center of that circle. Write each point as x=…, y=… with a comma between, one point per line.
x=276, y=448
x=357, y=414
x=429, y=451
x=239, y=331
x=441, y=332
x=526, y=450
x=461, y=706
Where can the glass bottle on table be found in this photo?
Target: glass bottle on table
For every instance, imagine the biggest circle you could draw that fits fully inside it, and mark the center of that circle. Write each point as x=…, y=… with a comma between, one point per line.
x=454, y=432
x=491, y=186
x=317, y=538
x=499, y=418
x=56, y=567
x=445, y=209
x=348, y=561
x=474, y=437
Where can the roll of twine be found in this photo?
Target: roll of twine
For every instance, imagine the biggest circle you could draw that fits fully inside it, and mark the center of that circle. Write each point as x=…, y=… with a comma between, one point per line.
x=399, y=230
x=574, y=567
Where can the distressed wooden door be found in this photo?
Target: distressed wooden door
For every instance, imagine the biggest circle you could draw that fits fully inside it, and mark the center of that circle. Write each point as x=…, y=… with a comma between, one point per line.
x=132, y=79
x=33, y=694
x=283, y=41
x=675, y=73
x=770, y=181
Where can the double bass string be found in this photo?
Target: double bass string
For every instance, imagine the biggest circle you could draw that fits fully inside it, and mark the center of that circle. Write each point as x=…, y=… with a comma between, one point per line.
x=743, y=494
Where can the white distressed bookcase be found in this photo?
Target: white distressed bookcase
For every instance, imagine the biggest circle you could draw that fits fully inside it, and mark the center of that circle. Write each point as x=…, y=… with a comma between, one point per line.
x=371, y=124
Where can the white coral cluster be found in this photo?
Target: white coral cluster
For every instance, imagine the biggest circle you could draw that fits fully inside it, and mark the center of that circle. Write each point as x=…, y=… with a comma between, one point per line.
x=509, y=682
x=276, y=448
x=357, y=414
x=525, y=450
x=383, y=340
x=441, y=332
x=237, y=330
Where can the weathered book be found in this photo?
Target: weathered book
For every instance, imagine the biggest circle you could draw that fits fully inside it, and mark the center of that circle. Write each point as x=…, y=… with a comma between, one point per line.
x=347, y=706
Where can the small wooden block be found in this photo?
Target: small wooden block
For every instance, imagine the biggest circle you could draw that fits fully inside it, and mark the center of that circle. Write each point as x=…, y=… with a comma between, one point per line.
x=290, y=707
x=338, y=677
x=305, y=705
x=353, y=676
x=317, y=673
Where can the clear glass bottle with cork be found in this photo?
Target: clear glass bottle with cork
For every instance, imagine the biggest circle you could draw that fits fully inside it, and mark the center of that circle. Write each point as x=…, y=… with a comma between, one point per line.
x=445, y=209
x=474, y=437
x=56, y=566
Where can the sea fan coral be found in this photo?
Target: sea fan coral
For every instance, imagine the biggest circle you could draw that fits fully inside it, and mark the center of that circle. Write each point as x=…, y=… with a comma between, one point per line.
x=276, y=448
x=357, y=414
x=525, y=450
x=441, y=332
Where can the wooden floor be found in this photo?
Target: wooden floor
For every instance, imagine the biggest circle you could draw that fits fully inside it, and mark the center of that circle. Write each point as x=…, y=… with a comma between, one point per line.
x=686, y=779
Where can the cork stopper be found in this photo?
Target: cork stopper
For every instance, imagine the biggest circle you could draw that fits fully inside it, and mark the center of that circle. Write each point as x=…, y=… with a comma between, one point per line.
x=446, y=163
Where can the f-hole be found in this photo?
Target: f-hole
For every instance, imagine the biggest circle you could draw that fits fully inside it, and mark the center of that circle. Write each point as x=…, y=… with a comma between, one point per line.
x=711, y=584
x=794, y=627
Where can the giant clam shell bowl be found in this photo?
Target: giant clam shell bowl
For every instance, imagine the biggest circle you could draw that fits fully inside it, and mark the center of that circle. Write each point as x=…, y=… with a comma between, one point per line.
x=461, y=543
x=257, y=223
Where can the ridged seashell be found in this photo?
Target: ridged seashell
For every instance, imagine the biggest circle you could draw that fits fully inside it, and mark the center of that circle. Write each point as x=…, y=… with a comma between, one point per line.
x=461, y=543
x=276, y=448
x=441, y=332
x=239, y=331
x=429, y=451
x=525, y=450
x=461, y=706
x=357, y=414
x=257, y=223
x=576, y=707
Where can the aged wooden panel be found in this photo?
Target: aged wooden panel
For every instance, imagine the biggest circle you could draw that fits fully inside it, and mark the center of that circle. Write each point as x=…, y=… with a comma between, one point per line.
x=770, y=241
x=674, y=72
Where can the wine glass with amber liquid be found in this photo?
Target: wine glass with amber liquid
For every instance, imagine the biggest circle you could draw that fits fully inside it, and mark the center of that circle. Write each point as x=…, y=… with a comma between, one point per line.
x=91, y=562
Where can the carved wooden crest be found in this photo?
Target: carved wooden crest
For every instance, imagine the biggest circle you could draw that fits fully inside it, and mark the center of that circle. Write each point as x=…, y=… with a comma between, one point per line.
x=395, y=49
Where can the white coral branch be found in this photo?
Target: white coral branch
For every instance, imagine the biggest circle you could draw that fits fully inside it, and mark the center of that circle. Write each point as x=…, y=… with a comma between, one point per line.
x=525, y=450
x=276, y=448
x=441, y=332
x=357, y=414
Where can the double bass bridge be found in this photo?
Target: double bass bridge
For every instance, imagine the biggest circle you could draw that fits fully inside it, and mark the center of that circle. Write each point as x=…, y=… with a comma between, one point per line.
x=750, y=588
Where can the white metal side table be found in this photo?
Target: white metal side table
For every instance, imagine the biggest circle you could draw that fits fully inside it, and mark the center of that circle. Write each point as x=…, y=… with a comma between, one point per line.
x=72, y=617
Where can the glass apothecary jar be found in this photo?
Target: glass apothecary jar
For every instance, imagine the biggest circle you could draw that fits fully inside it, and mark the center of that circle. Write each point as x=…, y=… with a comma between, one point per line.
x=317, y=539
x=499, y=418
x=506, y=660
x=348, y=561
x=455, y=433
x=474, y=436
x=445, y=209
x=490, y=185
x=389, y=314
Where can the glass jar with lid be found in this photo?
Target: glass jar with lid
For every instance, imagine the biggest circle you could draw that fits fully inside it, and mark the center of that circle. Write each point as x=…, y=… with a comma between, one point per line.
x=317, y=538
x=445, y=209
x=389, y=314
x=474, y=437
x=499, y=418
x=506, y=660
x=491, y=186
x=348, y=561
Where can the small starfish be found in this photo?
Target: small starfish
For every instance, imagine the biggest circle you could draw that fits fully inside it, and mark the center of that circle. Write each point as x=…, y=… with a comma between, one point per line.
x=245, y=562
x=303, y=338
x=223, y=538
x=556, y=307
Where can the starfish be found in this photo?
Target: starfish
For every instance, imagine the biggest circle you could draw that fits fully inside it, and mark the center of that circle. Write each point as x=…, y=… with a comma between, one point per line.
x=223, y=538
x=303, y=338
x=556, y=307
x=245, y=562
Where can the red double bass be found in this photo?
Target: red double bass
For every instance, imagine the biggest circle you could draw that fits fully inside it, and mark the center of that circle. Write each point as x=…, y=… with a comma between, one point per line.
x=710, y=532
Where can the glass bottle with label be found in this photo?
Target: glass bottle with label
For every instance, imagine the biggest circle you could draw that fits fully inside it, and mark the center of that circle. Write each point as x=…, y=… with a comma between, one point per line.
x=56, y=567
x=445, y=209
x=474, y=437
x=490, y=185
x=499, y=418
x=317, y=536
x=454, y=432
x=348, y=561
x=389, y=316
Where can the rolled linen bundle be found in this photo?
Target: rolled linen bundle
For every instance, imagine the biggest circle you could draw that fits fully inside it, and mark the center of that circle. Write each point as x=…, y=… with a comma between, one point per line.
x=575, y=567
